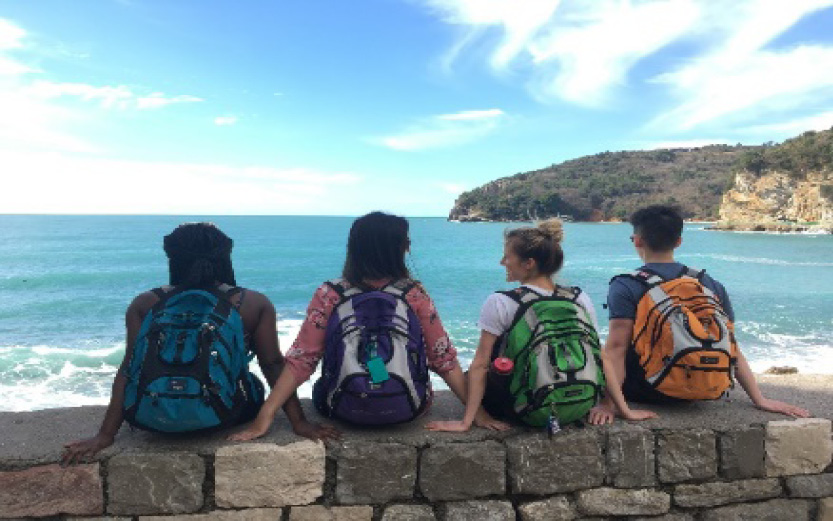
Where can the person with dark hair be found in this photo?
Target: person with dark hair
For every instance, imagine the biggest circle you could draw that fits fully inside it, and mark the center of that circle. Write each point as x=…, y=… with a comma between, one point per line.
x=199, y=261
x=531, y=339
x=671, y=336
x=377, y=331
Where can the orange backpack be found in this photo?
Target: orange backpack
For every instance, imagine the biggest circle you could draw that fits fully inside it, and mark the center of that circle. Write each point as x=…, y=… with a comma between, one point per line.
x=683, y=338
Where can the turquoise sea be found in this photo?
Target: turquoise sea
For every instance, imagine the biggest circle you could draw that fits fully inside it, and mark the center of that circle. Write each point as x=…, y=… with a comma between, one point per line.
x=66, y=281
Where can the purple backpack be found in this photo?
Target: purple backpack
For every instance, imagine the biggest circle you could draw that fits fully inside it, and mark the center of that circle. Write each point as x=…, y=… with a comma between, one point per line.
x=374, y=370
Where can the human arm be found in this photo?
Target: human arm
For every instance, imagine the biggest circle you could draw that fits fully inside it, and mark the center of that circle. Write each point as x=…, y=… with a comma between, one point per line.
x=83, y=450
x=271, y=361
x=613, y=363
x=746, y=379
x=286, y=374
x=476, y=388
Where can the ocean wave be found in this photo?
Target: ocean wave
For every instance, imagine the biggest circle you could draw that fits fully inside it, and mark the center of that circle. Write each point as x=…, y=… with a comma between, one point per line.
x=759, y=260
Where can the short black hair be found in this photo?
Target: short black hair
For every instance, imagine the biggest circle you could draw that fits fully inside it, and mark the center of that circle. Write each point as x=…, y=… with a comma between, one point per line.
x=199, y=256
x=376, y=248
x=659, y=226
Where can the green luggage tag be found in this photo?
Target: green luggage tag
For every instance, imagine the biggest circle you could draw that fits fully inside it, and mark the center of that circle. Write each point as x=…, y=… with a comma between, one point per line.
x=376, y=366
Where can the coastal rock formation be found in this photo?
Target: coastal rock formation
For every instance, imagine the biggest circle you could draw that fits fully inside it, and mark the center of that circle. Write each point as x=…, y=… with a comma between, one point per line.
x=777, y=201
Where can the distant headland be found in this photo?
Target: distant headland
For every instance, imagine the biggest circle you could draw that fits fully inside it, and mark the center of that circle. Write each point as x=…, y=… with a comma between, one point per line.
x=785, y=187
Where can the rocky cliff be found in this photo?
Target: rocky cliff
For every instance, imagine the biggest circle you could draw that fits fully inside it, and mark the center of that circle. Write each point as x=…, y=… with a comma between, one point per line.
x=781, y=190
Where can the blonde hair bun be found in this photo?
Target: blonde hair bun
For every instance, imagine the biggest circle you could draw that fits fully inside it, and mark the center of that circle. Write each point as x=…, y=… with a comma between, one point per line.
x=552, y=228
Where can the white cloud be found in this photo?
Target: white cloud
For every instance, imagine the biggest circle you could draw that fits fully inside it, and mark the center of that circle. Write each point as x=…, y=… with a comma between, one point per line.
x=792, y=127
x=687, y=143
x=35, y=114
x=121, y=96
x=452, y=188
x=582, y=52
x=58, y=183
x=445, y=130
x=225, y=120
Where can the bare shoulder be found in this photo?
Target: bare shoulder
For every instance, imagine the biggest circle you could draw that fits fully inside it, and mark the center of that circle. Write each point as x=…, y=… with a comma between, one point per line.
x=142, y=303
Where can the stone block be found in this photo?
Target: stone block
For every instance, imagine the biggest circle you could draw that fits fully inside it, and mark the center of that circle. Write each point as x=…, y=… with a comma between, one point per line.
x=249, y=514
x=686, y=455
x=772, y=510
x=623, y=502
x=169, y=483
x=409, y=513
x=480, y=511
x=266, y=475
x=667, y=517
x=98, y=518
x=801, y=446
x=742, y=453
x=51, y=490
x=820, y=485
x=370, y=473
x=455, y=471
x=321, y=513
x=571, y=460
x=630, y=456
x=826, y=509
x=558, y=508
x=716, y=494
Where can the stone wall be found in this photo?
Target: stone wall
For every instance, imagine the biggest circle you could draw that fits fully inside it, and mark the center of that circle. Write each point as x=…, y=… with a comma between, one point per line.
x=770, y=471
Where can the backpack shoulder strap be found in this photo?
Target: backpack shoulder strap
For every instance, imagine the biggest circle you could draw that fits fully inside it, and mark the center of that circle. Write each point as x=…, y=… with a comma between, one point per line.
x=645, y=277
x=568, y=292
x=344, y=290
x=521, y=295
x=399, y=288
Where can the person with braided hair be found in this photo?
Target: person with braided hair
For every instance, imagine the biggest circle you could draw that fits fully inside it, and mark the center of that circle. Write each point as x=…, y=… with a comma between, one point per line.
x=199, y=258
x=531, y=256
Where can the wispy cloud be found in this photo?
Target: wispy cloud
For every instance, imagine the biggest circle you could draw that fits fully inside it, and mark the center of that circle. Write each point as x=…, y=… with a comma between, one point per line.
x=452, y=188
x=120, y=97
x=791, y=127
x=583, y=52
x=445, y=130
x=686, y=143
x=34, y=112
x=101, y=186
x=222, y=121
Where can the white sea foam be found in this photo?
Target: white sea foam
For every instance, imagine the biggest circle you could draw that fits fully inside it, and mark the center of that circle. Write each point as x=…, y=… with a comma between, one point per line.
x=759, y=260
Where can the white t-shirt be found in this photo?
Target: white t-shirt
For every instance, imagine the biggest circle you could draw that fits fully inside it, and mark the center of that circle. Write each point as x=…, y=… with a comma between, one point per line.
x=498, y=311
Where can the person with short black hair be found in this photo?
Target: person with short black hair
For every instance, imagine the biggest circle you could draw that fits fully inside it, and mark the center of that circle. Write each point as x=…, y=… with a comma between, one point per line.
x=657, y=232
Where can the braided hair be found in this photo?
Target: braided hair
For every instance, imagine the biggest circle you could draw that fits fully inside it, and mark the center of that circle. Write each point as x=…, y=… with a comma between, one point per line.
x=199, y=255
x=541, y=243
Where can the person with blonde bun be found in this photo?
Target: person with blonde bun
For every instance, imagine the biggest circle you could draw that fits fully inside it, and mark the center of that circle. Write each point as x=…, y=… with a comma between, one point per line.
x=531, y=256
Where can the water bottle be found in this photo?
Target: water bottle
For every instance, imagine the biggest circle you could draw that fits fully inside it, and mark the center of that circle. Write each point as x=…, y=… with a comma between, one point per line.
x=500, y=373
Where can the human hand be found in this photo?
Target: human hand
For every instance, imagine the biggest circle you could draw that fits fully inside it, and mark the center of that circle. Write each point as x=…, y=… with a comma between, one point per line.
x=316, y=431
x=485, y=421
x=782, y=408
x=256, y=429
x=81, y=451
x=638, y=415
x=448, y=426
x=600, y=415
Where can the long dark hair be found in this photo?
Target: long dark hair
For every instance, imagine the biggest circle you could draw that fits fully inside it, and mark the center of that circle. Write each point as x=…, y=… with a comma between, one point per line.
x=376, y=248
x=199, y=255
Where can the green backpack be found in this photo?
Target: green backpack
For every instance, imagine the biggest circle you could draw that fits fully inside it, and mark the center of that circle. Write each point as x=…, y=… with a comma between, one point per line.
x=557, y=370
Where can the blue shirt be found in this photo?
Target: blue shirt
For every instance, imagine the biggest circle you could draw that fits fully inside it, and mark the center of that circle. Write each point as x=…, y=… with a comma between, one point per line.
x=624, y=292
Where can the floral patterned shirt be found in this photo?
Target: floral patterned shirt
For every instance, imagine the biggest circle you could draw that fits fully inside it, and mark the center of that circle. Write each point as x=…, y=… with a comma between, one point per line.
x=308, y=348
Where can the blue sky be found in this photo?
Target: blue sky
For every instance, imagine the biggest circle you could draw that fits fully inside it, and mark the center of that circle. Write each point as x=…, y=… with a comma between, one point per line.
x=334, y=107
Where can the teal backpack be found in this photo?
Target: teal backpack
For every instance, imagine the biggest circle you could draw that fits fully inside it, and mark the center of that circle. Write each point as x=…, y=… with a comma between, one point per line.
x=555, y=349
x=189, y=370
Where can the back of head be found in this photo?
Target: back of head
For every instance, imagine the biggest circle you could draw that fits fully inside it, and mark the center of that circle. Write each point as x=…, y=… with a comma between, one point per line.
x=541, y=243
x=659, y=226
x=199, y=255
x=376, y=248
